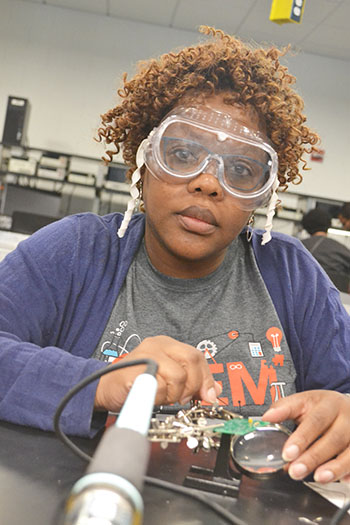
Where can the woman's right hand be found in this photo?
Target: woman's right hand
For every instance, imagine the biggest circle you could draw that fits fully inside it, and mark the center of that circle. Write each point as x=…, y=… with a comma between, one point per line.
x=183, y=374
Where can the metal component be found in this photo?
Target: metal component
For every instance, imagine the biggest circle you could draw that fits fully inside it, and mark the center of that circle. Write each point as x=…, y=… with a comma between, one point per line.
x=100, y=505
x=195, y=424
x=192, y=442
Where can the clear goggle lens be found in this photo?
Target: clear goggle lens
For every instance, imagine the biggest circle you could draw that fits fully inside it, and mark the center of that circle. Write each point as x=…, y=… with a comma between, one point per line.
x=239, y=172
x=191, y=141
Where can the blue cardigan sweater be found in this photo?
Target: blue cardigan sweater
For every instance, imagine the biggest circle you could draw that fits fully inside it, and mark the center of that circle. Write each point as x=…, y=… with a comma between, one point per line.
x=57, y=290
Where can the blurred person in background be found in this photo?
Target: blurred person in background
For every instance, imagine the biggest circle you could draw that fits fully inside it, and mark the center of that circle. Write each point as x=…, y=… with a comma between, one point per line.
x=344, y=216
x=333, y=256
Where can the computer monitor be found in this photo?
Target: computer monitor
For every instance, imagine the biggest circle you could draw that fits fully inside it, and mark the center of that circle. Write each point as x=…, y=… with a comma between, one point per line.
x=117, y=173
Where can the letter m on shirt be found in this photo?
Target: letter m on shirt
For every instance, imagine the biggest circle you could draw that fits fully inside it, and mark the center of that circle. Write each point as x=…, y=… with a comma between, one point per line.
x=239, y=377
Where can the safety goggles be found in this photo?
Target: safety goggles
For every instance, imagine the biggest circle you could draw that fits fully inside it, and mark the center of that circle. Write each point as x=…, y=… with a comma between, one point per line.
x=191, y=141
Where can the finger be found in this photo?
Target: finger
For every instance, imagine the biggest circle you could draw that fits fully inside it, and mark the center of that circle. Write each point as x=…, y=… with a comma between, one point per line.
x=199, y=380
x=338, y=468
x=346, y=479
x=291, y=407
x=171, y=375
x=305, y=434
x=174, y=377
x=161, y=392
x=332, y=443
x=315, y=412
x=218, y=389
x=113, y=388
x=210, y=389
x=183, y=371
x=191, y=360
x=171, y=378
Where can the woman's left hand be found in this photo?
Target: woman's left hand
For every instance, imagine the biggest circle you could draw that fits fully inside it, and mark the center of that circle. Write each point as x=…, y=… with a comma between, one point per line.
x=321, y=442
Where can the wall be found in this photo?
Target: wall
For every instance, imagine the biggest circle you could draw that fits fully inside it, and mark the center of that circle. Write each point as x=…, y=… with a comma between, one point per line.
x=69, y=64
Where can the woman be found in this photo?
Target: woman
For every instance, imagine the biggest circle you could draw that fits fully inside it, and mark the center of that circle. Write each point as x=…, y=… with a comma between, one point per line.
x=209, y=134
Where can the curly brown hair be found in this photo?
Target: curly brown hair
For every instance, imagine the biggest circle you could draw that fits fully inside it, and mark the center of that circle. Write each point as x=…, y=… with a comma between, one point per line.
x=251, y=76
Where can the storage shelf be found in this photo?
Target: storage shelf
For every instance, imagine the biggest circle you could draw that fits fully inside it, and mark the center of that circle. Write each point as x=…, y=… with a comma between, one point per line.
x=20, y=167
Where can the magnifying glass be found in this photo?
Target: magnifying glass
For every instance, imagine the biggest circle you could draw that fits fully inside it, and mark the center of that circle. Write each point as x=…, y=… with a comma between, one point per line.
x=258, y=453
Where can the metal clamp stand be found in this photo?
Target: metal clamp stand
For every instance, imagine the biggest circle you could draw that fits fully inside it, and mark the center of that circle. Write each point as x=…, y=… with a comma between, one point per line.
x=220, y=480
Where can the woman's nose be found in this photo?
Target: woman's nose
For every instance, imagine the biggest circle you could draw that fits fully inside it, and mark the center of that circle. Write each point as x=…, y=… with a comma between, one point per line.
x=207, y=181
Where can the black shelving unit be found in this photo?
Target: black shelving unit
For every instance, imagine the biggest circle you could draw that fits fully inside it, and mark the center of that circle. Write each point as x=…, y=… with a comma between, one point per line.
x=79, y=183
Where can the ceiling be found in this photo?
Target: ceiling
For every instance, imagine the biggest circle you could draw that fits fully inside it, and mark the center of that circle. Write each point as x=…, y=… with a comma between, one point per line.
x=324, y=29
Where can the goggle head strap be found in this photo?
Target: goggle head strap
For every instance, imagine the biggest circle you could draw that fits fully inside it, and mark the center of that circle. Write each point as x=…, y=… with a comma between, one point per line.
x=134, y=192
x=270, y=212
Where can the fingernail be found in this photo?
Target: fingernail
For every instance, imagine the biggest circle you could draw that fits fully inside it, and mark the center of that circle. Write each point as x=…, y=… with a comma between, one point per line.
x=297, y=471
x=325, y=476
x=211, y=395
x=291, y=453
x=185, y=400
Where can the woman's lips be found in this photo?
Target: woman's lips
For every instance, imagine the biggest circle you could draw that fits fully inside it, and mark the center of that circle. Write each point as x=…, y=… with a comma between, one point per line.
x=198, y=220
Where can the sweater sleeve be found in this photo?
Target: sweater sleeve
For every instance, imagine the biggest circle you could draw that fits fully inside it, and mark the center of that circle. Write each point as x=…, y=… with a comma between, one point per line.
x=36, y=283
x=323, y=330
x=315, y=322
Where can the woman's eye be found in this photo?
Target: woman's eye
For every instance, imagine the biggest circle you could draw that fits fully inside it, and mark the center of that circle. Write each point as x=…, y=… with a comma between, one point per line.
x=183, y=154
x=241, y=170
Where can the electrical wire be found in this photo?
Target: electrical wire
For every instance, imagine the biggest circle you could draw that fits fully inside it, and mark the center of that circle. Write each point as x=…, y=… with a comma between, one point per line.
x=202, y=498
x=339, y=515
x=152, y=368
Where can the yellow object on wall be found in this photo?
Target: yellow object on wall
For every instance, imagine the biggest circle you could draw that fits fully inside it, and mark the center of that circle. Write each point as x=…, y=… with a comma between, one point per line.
x=285, y=11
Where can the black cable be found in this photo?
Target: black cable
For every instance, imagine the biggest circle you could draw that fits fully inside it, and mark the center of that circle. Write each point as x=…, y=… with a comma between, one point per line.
x=202, y=498
x=336, y=520
x=151, y=368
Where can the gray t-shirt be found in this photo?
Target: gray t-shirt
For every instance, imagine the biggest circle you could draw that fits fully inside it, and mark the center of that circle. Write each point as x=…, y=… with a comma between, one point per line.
x=228, y=315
